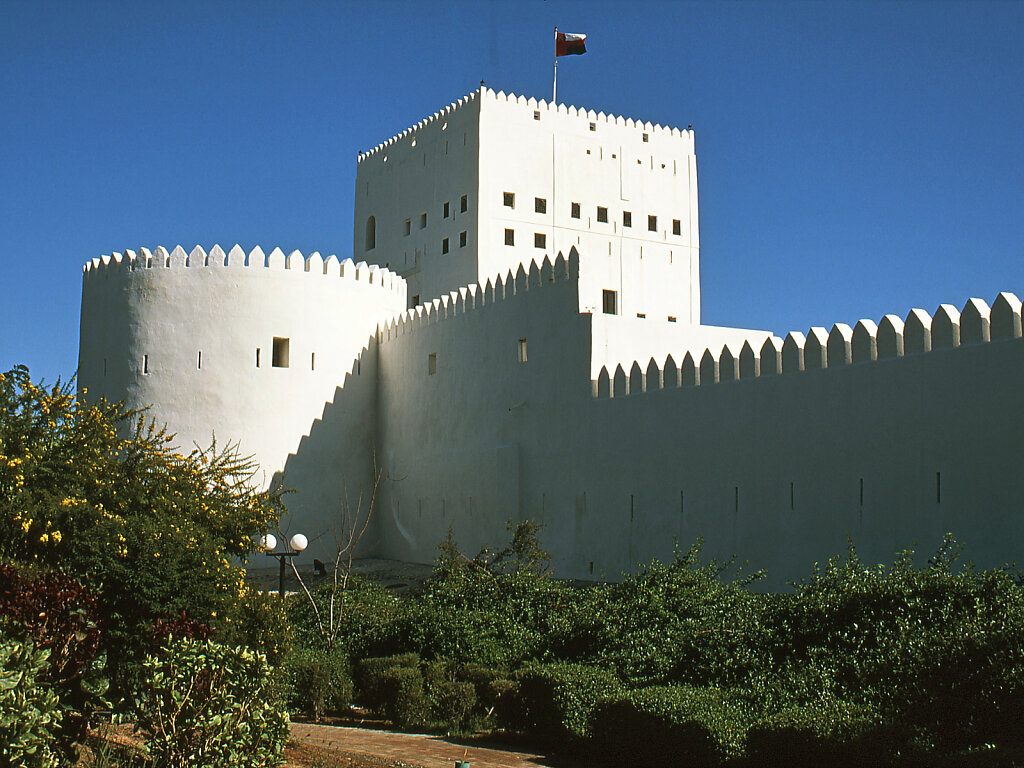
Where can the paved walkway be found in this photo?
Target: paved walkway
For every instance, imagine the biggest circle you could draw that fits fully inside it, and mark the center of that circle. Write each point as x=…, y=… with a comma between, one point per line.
x=416, y=749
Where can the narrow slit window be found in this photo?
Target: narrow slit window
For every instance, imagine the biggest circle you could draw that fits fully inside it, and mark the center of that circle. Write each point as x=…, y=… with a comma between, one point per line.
x=508, y=199
x=446, y=210
x=280, y=352
x=312, y=361
x=462, y=239
x=539, y=240
x=602, y=214
x=145, y=365
x=371, y=233
x=627, y=219
x=423, y=220
x=431, y=363
x=540, y=205
x=609, y=302
x=257, y=357
x=199, y=361
x=575, y=211
x=677, y=227
x=444, y=245
x=464, y=204
x=652, y=223
x=408, y=227
x=521, y=350
x=510, y=237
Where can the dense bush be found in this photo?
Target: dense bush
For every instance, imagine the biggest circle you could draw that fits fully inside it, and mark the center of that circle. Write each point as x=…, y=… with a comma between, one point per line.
x=660, y=725
x=206, y=704
x=29, y=709
x=553, y=702
x=319, y=681
x=371, y=674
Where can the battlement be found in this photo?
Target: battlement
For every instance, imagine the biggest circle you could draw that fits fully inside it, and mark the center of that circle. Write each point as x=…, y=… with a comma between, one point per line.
x=236, y=258
x=477, y=296
x=440, y=114
x=867, y=342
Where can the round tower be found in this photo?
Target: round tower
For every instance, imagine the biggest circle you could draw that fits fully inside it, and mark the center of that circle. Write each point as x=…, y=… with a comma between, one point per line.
x=244, y=348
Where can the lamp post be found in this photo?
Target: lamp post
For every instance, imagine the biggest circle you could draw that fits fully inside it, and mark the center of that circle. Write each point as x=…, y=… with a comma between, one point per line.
x=297, y=543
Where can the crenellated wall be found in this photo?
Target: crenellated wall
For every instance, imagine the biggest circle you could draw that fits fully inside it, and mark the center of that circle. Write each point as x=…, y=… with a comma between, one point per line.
x=193, y=333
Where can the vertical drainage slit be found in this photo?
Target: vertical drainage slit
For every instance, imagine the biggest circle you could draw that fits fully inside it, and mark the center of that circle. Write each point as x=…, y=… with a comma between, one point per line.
x=938, y=487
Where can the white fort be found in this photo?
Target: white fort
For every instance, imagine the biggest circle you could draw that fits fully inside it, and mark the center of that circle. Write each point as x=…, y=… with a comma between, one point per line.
x=518, y=335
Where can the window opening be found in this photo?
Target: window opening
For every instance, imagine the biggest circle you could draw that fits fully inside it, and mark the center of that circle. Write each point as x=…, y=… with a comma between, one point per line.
x=199, y=361
x=446, y=209
x=521, y=347
x=539, y=240
x=609, y=302
x=280, y=353
x=677, y=228
x=510, y=237
x=312, y=361
x=645, y=137
x=671, y=318
x=423, y=220
x=431, y=363
x=642, y=315
x=462, y=239
x=371, y=233
x=257, y=357
x=575, y=211
x=508, y=199
x=145, y=365
x=602, y=214
x=464, y=204
x=408, y=226
x=540, y=205
x=652, y=223
x=444, y=245
x=414, y=301
x=627, y=219
x=593, y=126
x=536, y=114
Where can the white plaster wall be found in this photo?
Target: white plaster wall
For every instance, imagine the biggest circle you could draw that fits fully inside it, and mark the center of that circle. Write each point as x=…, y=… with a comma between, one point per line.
x=171, y=307
x=416, y=173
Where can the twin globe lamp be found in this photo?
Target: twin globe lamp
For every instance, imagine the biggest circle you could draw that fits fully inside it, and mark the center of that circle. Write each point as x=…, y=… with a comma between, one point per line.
x=268, y=544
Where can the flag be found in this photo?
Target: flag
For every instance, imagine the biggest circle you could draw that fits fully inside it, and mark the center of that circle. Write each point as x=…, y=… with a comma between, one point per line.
x=568, y=44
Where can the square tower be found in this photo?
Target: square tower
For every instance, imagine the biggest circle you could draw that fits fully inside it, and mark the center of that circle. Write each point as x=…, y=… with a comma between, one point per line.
x=494, y=181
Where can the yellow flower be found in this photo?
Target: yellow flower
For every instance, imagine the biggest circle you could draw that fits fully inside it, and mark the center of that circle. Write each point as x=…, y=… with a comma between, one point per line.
x=44, y=538
x=26, y=525
x=56, y=536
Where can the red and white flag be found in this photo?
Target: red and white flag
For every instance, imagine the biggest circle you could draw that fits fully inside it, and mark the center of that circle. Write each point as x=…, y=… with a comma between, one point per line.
x=568, y=44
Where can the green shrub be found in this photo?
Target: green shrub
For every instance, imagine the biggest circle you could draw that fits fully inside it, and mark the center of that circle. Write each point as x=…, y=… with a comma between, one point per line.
x=451, y=703
x=370, y=677
x=319, y=681
x=656, y=726
x=205, y=704
x=29, y=711
x=553, y=702
x=405, y=702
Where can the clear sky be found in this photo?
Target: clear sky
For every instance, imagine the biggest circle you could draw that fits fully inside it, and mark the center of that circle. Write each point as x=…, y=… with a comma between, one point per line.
x=854, y=158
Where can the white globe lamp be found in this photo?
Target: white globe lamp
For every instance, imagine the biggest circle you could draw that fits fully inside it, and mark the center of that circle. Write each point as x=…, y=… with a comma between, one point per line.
x=299, y=542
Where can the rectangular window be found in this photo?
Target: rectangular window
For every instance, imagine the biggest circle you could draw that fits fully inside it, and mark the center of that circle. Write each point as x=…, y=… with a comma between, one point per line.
x=602, y=214
x=627, y=219
x=609, y=302
x=575, y=213
x=312, y=361
x=445, y=210
x=462, y=239
x=522, y=350
x=540, y=205
x=414, y=301
x=508, y=199
x=677, y=228
x=280, y=357
x=540, y=240
x=645, y=137
x=199, y=361
x=510, y=237
x=642, y=315
x=593, y=126
x=408, y=226
x=671, y=318
x=536, y=114
x=145, y=365
x=444, y=245
x=432, y=363
x=423, y=221
x=652, y=223
x=257, y=357
x=464, y=204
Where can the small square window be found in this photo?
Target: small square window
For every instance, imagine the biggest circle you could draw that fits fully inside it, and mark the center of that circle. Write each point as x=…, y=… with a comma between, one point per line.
x=627, y=219
x=609, y=302
x=602, y=214
x=540, y=205
x=509, y=199
x=676, y=227
x=671, y=318
x=464, y=204
x=652, y=223
x=536, y=114
x=408, y=226
x=423, y=221
x=445, y=210
x=539, y=240
x=280, y=358
x=431, y=363
x=645, y=137
x=593, y=126
x=575, y=210
x=510, y=237
x=444, y=245
x=462, y=239
x=521, y=348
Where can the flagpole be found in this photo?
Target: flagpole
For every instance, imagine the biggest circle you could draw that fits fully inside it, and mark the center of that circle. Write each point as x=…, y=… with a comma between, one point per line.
x=554, y=82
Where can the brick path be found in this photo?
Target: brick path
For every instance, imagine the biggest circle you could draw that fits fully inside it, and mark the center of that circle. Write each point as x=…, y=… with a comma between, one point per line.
x=416, y=749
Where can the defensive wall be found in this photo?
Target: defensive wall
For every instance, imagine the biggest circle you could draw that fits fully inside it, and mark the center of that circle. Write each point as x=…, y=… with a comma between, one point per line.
x=246, y=347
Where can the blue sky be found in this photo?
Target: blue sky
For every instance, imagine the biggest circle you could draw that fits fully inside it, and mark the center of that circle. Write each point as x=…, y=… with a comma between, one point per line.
x=854, y=158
